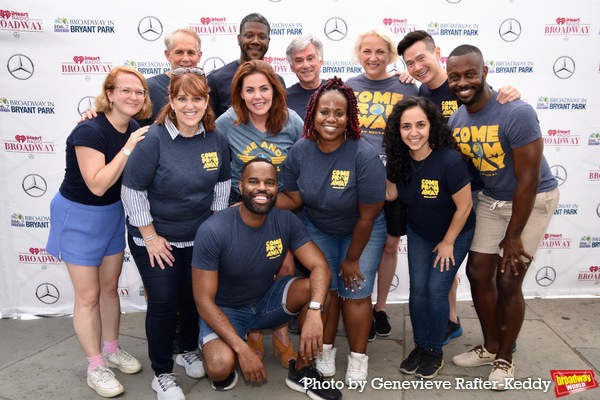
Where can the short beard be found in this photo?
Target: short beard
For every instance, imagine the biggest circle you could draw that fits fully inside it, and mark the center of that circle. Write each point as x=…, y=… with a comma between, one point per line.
x=260, y=209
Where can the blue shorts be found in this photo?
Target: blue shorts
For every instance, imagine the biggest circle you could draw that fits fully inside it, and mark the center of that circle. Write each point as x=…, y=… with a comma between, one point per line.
x=270, y=312
x=84, y=235
x=335, y=248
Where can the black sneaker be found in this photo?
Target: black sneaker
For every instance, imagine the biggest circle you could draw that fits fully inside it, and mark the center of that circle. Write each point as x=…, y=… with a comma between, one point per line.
x=382, y=326
x=372, y=331
x=453, y=330
x=294, y=326
x=431, y=364
x=306, y=381
x=412, y=362
x=228, y=383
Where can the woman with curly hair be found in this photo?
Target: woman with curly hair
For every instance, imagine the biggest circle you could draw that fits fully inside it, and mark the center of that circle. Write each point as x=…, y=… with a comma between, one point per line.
x=340, y=180
x=429, y=175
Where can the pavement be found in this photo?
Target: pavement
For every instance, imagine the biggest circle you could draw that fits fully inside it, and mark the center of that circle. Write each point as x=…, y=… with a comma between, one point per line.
x=40, y=359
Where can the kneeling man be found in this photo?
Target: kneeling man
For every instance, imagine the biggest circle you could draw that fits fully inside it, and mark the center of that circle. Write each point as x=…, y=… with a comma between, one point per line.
x=237, y=253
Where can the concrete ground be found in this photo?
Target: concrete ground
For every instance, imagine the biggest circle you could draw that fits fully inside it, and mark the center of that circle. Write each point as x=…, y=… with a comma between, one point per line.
x=40, y=359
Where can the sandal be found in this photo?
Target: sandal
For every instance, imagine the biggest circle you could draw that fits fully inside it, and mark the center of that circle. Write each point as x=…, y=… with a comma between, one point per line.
x=256, y=345
x=285, y=354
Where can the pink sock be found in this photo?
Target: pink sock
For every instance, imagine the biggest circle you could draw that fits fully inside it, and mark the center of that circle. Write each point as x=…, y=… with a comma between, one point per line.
x=95, y=361
x=111, y=346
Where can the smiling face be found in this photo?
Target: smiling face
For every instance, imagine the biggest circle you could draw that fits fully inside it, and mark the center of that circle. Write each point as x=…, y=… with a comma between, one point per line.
x=466, y=78
x=374, y=57
x=331, y=120
x=123, y=103
x=253, y=41
x=258, y=186
x=189, y=111
x=184, y=52
x=257, y=94
x=306, y=64
x=414, y=130
x=423, y=64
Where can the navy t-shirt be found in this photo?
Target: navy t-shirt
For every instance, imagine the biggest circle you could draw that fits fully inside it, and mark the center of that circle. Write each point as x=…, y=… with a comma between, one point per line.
x=246, y=258
x=298, y=97
x=428, y=194
x=98, y=134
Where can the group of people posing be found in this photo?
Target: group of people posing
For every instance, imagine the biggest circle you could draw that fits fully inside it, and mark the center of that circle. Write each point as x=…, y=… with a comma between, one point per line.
x=249, y=206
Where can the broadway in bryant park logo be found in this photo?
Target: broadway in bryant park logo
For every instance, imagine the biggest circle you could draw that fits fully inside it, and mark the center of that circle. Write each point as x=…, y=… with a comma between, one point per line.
x=26, y=106
x=75, y=25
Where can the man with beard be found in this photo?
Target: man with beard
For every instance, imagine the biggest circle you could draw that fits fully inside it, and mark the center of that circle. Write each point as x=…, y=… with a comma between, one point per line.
x=520, y=194
x=254, y=43
x=238, y=252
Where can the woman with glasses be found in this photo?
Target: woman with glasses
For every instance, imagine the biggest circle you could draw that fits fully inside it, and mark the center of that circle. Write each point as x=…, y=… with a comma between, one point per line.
x=87, y=224
x=259, y=121
x=177, y=178
x=340, y=180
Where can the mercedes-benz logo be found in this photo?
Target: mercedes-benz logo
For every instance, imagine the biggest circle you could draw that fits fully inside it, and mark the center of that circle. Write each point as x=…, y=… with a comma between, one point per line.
x=47, y=293
x=395, y=283
x=453, y=1
x=212, y=63
x=510, y=30
x=545, y=276
x=150, y=28
x=564, y=67
x=85, y=104
x=34, y=185
x=20, y=66
x=335, y=29
x=397, y=67
x=598, y=210
x=560, y=173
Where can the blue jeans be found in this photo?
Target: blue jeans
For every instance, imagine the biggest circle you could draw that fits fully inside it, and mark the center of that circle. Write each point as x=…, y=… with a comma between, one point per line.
x=171, y=307
x=428, y=299
x=335, y=248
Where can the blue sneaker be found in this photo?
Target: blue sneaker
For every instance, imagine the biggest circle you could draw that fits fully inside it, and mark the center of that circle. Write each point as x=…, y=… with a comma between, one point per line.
x=454, y=330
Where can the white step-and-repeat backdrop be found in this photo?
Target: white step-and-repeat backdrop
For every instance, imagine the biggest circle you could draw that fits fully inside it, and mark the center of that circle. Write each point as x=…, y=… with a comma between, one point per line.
x=57, y=53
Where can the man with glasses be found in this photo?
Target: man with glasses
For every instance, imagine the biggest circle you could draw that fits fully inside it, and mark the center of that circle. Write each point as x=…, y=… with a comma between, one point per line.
x=253, y=40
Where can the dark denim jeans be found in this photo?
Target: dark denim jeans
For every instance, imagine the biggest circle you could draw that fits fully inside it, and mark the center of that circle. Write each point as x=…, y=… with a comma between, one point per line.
x=171, y=308
x=428, y=298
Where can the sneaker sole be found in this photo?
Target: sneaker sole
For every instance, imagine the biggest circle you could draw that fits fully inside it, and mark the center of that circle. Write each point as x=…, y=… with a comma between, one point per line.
x=228, y=387
x=453, y=335
x=124, y=370
x=407, y=372
x=481, y=364
x=300, y=388
x=182, y=364
x=432, y=375
x=105, y=393
x=326, y=374
x=383, y=334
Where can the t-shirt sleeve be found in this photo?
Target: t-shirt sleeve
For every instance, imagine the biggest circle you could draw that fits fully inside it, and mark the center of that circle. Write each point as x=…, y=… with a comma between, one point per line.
x=225, y=168
x=292, y=170
x=370, y=179
x=206, y=248
x=87, y=135
x=299, y=235
x=457, y=174
x=141, y=167
x=522, y=126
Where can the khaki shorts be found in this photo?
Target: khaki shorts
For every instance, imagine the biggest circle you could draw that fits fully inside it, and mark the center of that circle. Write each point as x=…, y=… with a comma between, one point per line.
x=493, y=217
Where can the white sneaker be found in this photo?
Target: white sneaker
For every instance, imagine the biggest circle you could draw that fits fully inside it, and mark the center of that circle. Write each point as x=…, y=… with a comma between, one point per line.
x=502, y=370
x=166, y=387
x=191, y=361
x=475, y=357
x=123, y=361
x=358, y=367
x=103, y=381
x=325, y=362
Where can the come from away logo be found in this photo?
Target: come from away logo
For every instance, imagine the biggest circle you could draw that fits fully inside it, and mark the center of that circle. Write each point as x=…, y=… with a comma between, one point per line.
x=37, y=256
x=76, y=25
x=279, y=64
x=86, y=65
x=591, y=274
x=561, y=103
x=29, y=221
x=28, y=144
x=399, y=26
x=560, y=137
x=149, y=67
x=214, y=26
x=26, y=106
x=19, y=21
x=566, y=209
x=286, y=28
x=452, y=29
x=594, y=139
x=509, y=67
x=589, y=242
x=555, y=241
x=567, y=27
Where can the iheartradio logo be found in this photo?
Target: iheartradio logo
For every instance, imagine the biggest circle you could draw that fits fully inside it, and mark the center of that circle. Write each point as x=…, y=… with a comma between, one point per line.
x=78, y=59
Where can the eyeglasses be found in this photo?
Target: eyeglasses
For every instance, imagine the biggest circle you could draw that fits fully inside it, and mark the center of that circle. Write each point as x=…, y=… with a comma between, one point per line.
x=194, y=70
x=125, y=91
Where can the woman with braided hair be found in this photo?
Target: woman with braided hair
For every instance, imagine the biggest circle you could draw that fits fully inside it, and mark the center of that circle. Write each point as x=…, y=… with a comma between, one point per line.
x=340, y=180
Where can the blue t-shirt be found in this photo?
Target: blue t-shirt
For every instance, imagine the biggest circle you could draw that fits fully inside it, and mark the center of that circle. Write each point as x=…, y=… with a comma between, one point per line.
x=179, y=176
x=333, y=184
x=158, y=88
x=298, y=97
x=247, y=259
x=376, y=99
x=488, y=137
x=98, y=134
x=428, y=194
x=245, y=142
x=443, y=98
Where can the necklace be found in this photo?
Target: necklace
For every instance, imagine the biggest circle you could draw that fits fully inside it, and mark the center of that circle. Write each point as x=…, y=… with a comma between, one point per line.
x=417, y=169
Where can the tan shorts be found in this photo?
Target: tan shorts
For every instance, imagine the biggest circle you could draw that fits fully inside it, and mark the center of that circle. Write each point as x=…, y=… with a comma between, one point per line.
x=493, y=217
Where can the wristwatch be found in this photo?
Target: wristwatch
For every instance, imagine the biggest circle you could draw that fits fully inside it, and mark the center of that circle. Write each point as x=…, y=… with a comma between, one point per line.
x=126, y=151
x=315, y=305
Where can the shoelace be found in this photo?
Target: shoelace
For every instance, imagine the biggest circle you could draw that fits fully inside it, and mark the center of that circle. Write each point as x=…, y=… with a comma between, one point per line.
x=326, y=355
x=479, y=350
x=356, y=364
x=191, y=357
x=122, y=356
x=503, y=365
x=167, y=381
x=102, y=374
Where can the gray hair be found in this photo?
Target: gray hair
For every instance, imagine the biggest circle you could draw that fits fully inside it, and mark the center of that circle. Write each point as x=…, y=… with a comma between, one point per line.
x=300, y=43
x=187, y=31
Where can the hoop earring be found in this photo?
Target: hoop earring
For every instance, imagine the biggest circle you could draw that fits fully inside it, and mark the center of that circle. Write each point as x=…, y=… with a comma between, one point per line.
x=110, y=105
x=173, y=115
